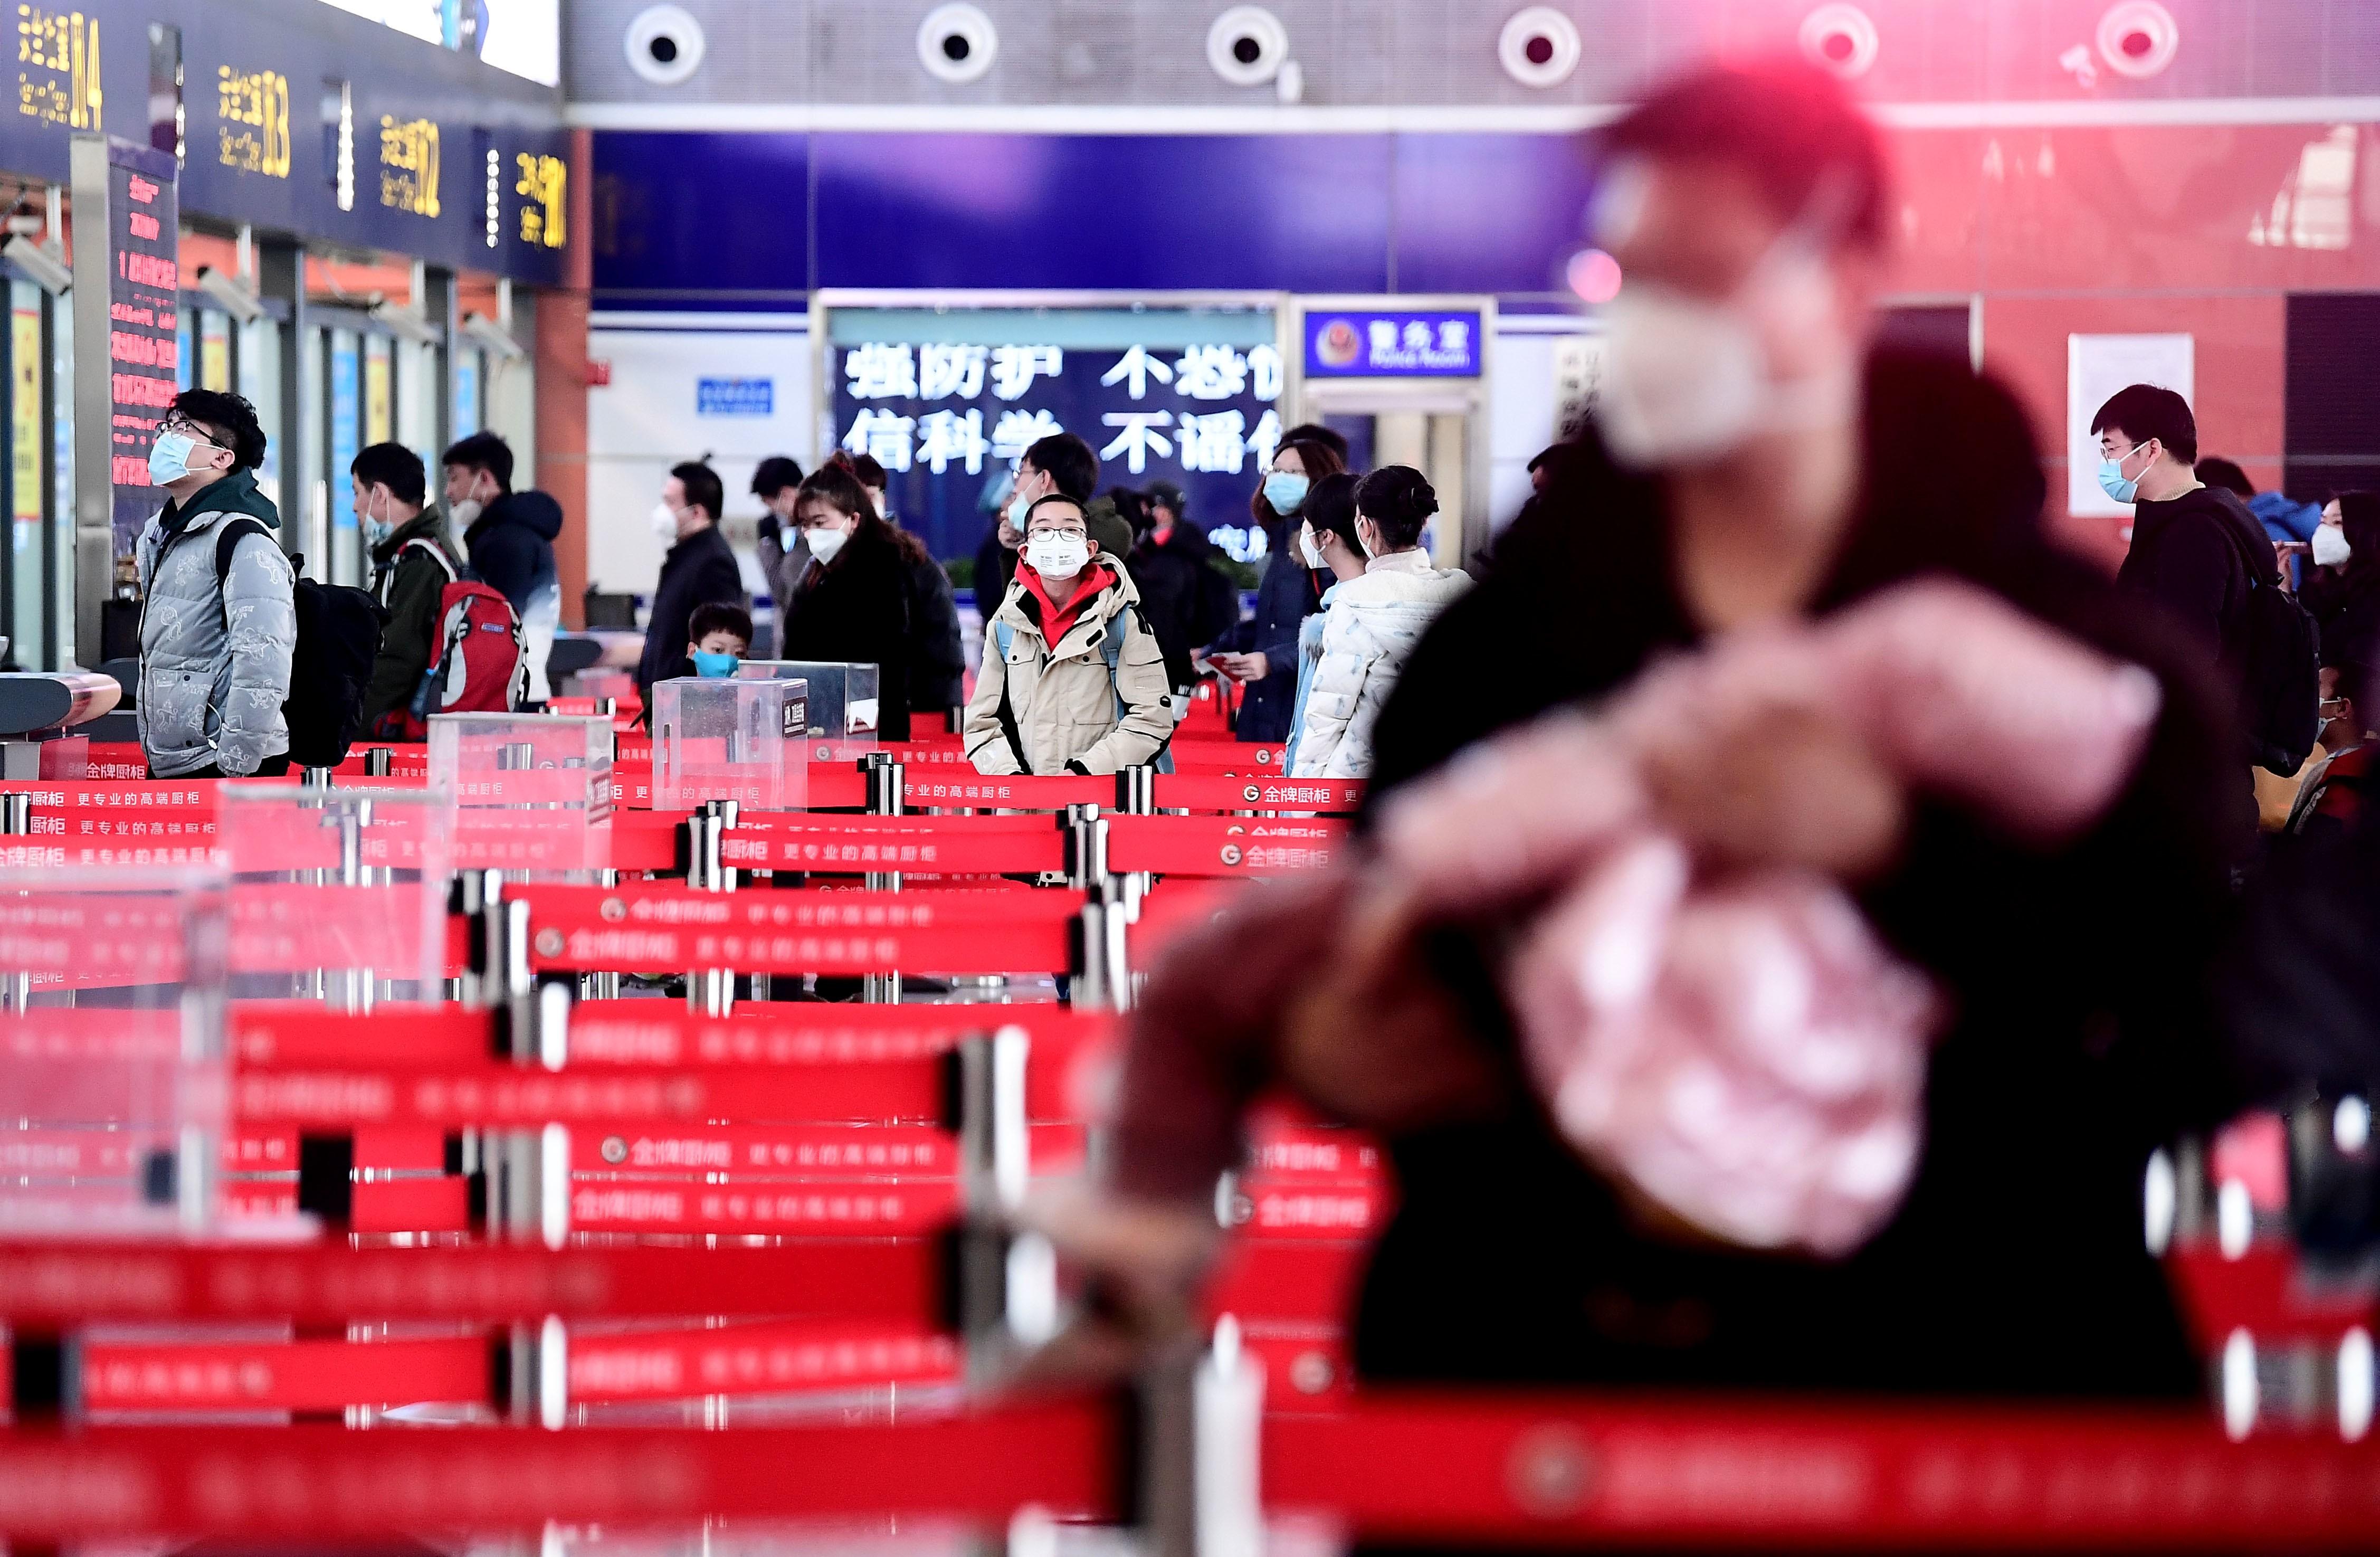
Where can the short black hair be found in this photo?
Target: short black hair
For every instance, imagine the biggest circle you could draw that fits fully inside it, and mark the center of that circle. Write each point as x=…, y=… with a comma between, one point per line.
x=870, y=470
x=1330, y=508
x=2142, y=411
x=1168, y=496
x=720, y=615
x=1546, y=457
x=394, y=466
x=703, y=490
x=229, y=415
x=482, y=451
x=2218, y=471
x=776, y=473
x=1069, y=463
x=1400, y=500
x=1786, y=125
x=1314, y=433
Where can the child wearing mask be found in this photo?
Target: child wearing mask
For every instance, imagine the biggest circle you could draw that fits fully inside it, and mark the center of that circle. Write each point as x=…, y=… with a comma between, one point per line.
x=1073, y=680
x=718, y=637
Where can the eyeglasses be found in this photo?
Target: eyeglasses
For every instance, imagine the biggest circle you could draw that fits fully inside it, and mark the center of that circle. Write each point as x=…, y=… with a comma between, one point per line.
x=188, y=428
x=1053, y=529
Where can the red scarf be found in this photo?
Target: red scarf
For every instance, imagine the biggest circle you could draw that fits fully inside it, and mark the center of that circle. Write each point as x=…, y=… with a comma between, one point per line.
x=1056, y=618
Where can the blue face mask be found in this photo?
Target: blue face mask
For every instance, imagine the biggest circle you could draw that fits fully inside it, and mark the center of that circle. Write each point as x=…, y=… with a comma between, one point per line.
x=714, y=668
x=1285, y=490
x=2112, y=483
x=169, y=457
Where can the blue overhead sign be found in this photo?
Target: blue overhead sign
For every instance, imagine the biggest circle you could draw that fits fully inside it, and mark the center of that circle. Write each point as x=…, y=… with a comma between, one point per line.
x=1393, y=344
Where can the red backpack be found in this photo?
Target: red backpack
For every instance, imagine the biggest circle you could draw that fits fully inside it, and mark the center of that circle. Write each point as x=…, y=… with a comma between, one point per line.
x=478, y=661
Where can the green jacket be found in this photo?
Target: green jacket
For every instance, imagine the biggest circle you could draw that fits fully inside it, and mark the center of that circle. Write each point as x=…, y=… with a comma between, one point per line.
x=408, y=581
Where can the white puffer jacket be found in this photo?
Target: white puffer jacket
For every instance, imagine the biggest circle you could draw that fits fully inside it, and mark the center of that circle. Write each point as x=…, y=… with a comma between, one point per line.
x=1374, y=622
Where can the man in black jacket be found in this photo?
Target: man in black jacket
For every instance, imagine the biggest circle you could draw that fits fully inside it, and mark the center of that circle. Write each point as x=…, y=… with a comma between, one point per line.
x=2192, y=543
x=1186, y=597
x=413, y=561
x=509, y=536
x=699, y=569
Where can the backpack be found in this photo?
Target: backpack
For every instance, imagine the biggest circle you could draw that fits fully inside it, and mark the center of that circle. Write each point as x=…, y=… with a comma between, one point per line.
x=338, y=638
x=2280, y=673
x=478, y=661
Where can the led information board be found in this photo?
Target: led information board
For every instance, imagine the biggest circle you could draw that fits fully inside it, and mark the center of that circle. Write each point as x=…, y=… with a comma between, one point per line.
x=947, y=398
x=128, y=293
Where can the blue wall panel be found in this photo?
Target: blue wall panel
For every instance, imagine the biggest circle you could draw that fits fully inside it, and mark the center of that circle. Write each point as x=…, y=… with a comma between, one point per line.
x=1142, y=212
x=1488, y=213
x=682, y=213
x=686, y=220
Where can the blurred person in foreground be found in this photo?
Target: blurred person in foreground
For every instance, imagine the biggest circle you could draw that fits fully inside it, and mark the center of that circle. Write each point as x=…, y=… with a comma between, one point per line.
x=1073, y=681
x=1373, y=621
x=1922, y=773
x=1261, y=652
x=1188, y=598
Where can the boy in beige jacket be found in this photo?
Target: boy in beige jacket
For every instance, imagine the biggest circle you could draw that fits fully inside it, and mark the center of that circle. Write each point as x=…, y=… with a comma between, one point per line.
x=1073, y=680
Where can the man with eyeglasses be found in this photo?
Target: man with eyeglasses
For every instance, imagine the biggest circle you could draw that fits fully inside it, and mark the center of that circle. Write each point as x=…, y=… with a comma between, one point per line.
x=217, y=633
x=1073, y=680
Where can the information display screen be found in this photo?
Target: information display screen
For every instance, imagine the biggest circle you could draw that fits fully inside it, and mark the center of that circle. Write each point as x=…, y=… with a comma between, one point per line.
x=143, y=327
x=947, y=399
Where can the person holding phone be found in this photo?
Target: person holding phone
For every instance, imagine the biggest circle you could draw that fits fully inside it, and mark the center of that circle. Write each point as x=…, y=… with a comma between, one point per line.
x=1261, y=652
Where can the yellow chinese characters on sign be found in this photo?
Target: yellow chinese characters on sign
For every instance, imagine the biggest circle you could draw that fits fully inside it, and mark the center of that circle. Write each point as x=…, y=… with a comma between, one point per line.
x=408, y=164
x=543, y=186
x=57, y=67
x=252, y=111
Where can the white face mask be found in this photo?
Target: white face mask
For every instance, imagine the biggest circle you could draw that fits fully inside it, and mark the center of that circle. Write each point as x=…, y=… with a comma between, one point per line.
x=664, y=522
x=466, y=513
x=2330, y=547
x=1056, y=556
x=1686, y=380
x=825, y=544
x=1312, y=553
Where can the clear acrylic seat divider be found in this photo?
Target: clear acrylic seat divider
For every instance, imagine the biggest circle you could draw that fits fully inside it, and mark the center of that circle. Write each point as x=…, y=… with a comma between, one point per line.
x=529, y=791
x=744, y=740
x=113, y=1084
x=844, y=713
x=337, y=895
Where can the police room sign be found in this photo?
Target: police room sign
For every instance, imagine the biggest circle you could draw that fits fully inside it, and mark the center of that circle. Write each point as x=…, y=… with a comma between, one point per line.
x=1399, y=344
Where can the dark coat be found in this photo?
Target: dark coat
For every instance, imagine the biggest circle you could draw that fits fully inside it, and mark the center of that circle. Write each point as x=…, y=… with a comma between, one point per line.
x=2347, y=611
x=937, y=671
x=2190, y=555
x=995, y=569
x=411, y=584
x=1187, y=598
x=1289, y=593
x=700, y=570
x=512, y=546
x=861, y=611
x=2079, y=1040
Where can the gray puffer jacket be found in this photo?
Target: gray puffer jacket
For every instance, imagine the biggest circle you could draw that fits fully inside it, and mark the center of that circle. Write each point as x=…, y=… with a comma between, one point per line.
x=215, y=664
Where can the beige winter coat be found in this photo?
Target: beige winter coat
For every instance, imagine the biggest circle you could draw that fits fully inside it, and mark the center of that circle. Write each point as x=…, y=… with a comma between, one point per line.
x=1061, y=706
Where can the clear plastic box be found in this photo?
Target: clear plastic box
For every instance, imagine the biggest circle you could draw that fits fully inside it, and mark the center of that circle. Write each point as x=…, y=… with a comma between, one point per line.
x=337, y=893
x=744, y=740
x=112, y=1071
x=844, y=717
x=529, y=791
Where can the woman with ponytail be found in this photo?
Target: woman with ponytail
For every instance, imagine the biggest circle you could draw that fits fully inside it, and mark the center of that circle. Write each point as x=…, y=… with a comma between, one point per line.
x=1375, y=617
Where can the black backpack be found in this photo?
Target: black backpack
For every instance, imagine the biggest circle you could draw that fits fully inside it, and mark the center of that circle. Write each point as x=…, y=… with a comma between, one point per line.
x=338, y=638
x=2280, y=670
